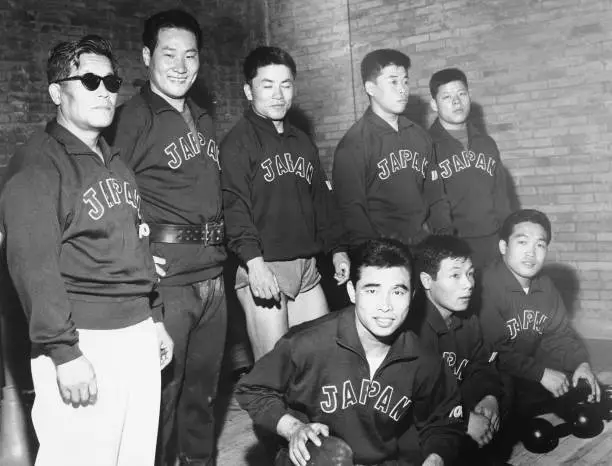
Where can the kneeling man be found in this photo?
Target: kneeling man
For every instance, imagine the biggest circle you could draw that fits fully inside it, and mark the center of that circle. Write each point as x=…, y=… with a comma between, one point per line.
x=358, y=374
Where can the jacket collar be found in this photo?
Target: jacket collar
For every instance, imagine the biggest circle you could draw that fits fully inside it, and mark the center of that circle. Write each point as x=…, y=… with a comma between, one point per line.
x=511, y=283
x=402, y=122
x=158, y=104
x=73, y=145
x=437, y=130
x=404, y=346
x=436, y=322
x=267, y=126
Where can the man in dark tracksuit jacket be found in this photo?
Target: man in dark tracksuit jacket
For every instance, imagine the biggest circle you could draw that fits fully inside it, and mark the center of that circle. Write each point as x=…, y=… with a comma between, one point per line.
x=446, y=325
x=279, y=211
x=358, y=374
x=170, y=144
x=79, y=259
x=469, y=166
x=382, y=174
x=524, y=320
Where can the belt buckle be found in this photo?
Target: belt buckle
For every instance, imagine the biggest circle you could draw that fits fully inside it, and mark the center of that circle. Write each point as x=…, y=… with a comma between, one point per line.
x=214, y=233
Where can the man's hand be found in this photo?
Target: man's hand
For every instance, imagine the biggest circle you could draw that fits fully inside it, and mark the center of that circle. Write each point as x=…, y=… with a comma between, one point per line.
x=479, y=428
x=166, y=345
x=297, y=434
x=489, y=408
x=262, y=280
x=77, y=383
x=159, y=261
x=342, y=266
x=555, y=382
x=433, y=460
x=298, y=453
x=583, y=371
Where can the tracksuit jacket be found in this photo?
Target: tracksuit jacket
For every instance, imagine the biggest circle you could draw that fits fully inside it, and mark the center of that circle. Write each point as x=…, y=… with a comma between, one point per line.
x=319, y=369
x=73, y=247
x=530, y=331
x=462, y=348
x=474, y=179
x=178, y=176
x=383, y=182
x=276, y=199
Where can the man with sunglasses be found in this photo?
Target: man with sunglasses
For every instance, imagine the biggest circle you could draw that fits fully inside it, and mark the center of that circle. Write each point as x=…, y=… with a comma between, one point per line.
x=79, y=258
x=170, y=143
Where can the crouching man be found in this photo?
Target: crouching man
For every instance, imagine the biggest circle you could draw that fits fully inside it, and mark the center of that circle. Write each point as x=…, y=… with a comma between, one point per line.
x=357, y=374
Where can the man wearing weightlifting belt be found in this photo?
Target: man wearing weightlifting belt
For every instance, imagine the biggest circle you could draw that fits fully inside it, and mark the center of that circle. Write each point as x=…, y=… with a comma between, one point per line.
x=170, y=144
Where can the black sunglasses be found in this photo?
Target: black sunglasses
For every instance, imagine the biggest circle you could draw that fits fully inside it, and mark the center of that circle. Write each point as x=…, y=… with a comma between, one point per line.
x=91, y=81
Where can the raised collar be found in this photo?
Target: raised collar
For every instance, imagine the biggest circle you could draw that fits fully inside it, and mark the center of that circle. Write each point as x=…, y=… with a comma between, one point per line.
x=436, y=322
x=73, y=145
x=402, y=122
x=159, y=104
x=511, y=283
x=267, y=126
x=438, y=130
x=403, y=347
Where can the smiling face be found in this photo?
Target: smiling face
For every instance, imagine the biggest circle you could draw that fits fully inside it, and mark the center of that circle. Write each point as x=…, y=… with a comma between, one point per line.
x=382, y=298
x=82, y=111
x=453, y=104
x=271, y=91
x=451, y=289
x=525, y=251
x=389, y=92
x=173, y=64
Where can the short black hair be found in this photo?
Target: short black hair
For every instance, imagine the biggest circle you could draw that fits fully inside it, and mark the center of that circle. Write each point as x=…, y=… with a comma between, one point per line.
x=65, y=55
x=264, y=56
x=383, y=253
x=169, y=19
x=522, y=216
x=435, y=248
x=445, y=76
x=374, y=62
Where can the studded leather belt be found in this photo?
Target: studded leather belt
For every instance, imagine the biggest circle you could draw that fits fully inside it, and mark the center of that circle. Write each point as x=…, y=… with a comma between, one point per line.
x=209, y=234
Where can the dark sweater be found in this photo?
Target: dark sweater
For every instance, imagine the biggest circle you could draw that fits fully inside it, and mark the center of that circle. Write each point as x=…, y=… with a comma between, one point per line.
x=383, y=182
x=319, y=369
x=461, y=346
x=475, y=181
x=178, y=175
x=530, y=331
x=275, y=194
x=72, y=243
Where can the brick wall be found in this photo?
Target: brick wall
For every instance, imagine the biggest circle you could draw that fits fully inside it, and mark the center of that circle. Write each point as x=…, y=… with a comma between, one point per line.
x=541, y=79
x=28, y=28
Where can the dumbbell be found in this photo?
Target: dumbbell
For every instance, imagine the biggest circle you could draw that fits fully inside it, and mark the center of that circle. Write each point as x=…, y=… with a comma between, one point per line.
x=539, y=436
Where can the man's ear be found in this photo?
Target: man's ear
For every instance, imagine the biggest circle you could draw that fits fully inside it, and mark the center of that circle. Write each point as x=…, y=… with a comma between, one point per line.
x=370, y=88
x=248, y=92
x=146, y=56
x=425, y=280
x=55, y=91
x=350, y=289
x=503, y=247
x=433, y=104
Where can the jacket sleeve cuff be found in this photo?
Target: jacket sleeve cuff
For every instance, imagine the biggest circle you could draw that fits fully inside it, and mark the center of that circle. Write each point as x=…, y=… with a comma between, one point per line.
x=157, y=306
x=535, y=373
x=61, y=354
x=269, y=419
x=248, y=252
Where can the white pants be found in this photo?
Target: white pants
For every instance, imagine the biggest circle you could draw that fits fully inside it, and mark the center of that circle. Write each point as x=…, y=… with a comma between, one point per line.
x=121, y=428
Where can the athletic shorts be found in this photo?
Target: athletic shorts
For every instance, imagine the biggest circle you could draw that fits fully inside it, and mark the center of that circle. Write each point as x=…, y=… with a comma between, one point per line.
x=293, y=277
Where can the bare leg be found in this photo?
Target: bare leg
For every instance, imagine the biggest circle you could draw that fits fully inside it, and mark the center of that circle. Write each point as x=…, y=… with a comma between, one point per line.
x=307, y=306
x=266, y=321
